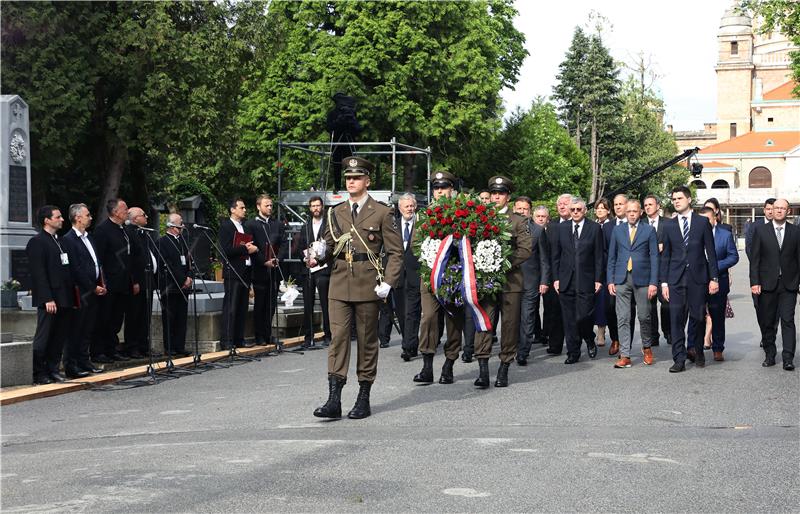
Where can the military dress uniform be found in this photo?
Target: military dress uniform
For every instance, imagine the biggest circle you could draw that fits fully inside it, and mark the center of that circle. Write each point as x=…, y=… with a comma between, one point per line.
x=509, y=300
x=430, y=330
x=356, y=235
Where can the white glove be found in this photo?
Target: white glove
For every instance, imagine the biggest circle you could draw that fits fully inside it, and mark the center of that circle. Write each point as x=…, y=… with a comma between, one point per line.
x=321, y=248
x=382, y=290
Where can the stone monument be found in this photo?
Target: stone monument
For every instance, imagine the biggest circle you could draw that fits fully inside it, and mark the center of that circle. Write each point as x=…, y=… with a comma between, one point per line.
x=16, y=211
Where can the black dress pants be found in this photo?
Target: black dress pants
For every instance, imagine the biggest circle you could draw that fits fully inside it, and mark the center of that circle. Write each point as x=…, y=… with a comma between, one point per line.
x=52, y=333
x=81, y=330
x=782, y=302
x=265, y=304
x=111, y=313
x=316, y=282
x=234, y=309
x=174, y=313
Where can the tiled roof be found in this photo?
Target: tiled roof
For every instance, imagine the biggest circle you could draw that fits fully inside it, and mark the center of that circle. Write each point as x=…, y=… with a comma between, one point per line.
x=757, y=142
x=782, y=92
x=717, y=164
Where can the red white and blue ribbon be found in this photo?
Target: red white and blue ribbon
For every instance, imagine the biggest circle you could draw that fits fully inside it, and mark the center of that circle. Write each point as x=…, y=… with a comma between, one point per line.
x=440, y=263
x=469, y=288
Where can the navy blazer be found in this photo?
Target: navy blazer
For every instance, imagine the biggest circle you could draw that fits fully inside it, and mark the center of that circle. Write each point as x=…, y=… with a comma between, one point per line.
x=643, y=251
x=578, y=269
x=698, y=258
x=727, y=256
x=81, y=262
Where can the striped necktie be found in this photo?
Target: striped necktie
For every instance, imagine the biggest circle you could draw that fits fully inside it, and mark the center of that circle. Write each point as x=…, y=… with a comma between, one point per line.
x=685, y=230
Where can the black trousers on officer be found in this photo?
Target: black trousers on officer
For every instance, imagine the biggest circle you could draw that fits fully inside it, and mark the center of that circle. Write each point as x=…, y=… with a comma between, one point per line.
x=81, y=332
x=174, y=312
x=111, y=313
x=265, y=304
x=316, y=282
x=52, y=333
x=235, y=305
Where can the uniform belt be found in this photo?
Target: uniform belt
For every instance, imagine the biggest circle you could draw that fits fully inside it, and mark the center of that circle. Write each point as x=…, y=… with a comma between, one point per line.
x=357, y=257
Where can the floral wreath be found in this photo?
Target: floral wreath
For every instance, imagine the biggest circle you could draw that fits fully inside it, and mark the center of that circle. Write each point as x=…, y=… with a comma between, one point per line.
x=463, y=247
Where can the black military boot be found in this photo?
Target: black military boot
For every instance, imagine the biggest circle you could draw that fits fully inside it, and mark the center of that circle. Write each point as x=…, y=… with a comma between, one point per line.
x=333, y=407
x=361, y=408
x=483, y=374
x=502, y=375
x=447, y=372
x=426, y=375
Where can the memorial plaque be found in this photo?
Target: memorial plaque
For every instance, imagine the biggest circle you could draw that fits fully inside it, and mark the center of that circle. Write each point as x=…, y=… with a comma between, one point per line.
x=20, y=268
x=18, y=194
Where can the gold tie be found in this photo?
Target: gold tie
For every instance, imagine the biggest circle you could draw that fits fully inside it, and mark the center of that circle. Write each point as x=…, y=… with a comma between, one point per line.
x=630, y=260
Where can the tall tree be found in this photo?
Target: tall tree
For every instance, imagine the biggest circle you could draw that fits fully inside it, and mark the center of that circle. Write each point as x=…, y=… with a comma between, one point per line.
x=428, y=73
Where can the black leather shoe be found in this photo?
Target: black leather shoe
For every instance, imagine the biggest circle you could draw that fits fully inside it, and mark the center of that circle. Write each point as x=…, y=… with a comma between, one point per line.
x=75, y=373
x=572, y=359
x=482, y=381
x=466, y=357
x=136, y=355
x=259, y=342
x=447, y=372
x=55, y=376
x=768, y=362
x=333, y=407
x=502, y=375
x=522, y=362
x=384, y=345
x=91, y=368
x=591, y=348
x=407, y=355
x=788, y=366
x=42, y=380
x=426, y=375
x=102, y=359
x=700, y=363
x=361, y=409
x=550, y=351
x=691, y=354
x=120, y=357
x=677, y=367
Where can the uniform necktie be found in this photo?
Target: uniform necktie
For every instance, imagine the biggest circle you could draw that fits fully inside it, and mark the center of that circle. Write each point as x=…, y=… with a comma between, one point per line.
x=685, y=230
x=630, y=259
x=779, y=233
x=355, y=212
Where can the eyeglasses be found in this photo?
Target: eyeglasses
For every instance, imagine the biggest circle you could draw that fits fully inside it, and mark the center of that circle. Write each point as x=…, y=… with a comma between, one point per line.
x=576, y=209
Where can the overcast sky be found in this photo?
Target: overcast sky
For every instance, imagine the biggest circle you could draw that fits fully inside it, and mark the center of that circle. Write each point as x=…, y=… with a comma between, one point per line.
x=679, y=36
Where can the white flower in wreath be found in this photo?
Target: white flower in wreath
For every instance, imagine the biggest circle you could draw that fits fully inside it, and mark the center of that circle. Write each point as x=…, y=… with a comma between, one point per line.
x=488, y=256
x=428, y=251
x=17, y=148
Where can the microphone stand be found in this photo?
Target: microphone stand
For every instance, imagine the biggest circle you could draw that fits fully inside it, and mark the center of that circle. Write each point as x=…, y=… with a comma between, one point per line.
x=232, y=353
x=278, y=345
x=197, y=358
x=170, y=366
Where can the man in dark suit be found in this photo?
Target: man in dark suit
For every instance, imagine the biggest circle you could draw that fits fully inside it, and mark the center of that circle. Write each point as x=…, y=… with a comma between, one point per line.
x=114, y=249
x=86, y=273
x=749, y=229
x=774, y=278
x=619, y=204
x=140, y=305
x=632, y=276
x=651, y=208
x=174, y=282
x=406, y=298
x=269, y=237
x=688, y=274
x=54, y=295
x=577, y=276
x=236, y=276
x=535, y=278
x=552, y=322
x=727, y=257
x=317, y=278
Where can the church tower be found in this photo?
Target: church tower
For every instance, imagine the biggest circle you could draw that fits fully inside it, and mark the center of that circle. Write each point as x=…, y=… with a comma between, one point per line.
x=735, y=70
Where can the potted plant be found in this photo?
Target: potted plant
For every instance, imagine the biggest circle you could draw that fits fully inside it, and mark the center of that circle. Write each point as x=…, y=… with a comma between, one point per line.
x=9, y=290
x=216, y=269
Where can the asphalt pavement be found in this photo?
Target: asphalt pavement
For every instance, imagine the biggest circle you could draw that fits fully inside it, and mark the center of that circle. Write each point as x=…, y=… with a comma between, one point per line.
x=585, y=437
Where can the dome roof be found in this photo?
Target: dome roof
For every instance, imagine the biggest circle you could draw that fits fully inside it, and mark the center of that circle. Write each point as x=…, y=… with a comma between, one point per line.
x=735, y=22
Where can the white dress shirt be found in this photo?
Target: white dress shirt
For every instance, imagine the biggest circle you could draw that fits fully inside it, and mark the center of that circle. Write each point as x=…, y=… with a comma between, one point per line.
x=84, y=237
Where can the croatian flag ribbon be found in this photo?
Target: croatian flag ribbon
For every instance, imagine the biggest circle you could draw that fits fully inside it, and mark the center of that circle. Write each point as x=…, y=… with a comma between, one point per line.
x=440, y=263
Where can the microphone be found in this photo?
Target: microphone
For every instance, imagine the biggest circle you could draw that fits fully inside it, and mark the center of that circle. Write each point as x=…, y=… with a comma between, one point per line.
x=137, y=227
x=201, y=227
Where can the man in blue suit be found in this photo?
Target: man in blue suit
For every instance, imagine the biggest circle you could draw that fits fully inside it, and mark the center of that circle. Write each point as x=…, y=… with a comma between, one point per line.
x=727, y=257
x=688, y=271
x=632, y=274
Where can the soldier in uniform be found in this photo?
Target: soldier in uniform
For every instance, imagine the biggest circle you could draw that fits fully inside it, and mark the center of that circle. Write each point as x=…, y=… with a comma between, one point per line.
x=509, y=300
x=443, y=184
x=358, y=232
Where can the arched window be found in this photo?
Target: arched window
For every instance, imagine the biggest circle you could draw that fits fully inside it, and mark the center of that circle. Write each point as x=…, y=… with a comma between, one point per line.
x=699, y=184
x=759, y=178
x=720, y=184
